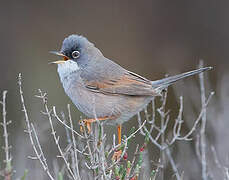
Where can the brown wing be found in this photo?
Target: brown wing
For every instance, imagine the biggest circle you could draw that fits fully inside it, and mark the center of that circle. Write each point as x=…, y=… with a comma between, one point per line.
x=128, y=84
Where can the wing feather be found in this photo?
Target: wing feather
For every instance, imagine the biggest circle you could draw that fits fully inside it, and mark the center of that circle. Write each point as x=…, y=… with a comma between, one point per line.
x=129, y=84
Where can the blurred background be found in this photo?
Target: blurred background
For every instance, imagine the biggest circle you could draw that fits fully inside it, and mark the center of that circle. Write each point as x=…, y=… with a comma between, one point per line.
x=151, y=38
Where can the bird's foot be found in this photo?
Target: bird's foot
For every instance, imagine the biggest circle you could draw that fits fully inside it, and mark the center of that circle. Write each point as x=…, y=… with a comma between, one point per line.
x=85, y=125
x=117, y=155
x=87, y=122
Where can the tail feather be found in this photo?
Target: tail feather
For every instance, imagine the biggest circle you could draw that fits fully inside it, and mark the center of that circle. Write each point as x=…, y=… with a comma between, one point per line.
x=164, y=83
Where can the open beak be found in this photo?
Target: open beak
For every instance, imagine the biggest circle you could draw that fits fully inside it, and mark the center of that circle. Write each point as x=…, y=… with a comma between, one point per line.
x=65, y=58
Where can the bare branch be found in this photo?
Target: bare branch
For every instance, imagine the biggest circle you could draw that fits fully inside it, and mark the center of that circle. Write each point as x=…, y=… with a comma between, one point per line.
x=8, y=167
x=62, y=122
x=29, y=131
x=4, y=124
x=74, y=145
x=53, y=132
x=174, y=167
x=203, y=125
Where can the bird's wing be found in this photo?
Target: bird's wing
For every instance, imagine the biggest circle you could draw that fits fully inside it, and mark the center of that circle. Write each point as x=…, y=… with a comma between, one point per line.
x=128, y=84
x=134, y=85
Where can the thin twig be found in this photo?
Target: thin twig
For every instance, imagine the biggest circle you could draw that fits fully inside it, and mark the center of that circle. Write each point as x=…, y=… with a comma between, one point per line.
x=133, y=161
x=29, y=130
x=88, y=145
x=4, y=124
x=39, y=146
x=186, y=137
x=163, y=114
x=130, y=136
x=76, y=163
x=62, y=122
x=173, y=165
x=53, y=132
x=8, y=168
x=203, y=126
x=125, y=146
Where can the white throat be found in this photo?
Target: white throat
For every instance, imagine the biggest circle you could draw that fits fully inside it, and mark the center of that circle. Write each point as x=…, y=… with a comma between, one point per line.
x=66, y=69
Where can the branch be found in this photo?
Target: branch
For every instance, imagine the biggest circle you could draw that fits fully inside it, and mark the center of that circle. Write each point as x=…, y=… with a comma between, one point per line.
x=53, y=132
x=203, y=125
x=62, y=122
x=39, y=156
x=8, y=168
x=76, y=164
x=174, y=167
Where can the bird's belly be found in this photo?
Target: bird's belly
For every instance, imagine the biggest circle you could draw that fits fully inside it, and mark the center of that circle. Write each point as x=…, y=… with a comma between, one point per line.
x=94, y=104
x=132, y=106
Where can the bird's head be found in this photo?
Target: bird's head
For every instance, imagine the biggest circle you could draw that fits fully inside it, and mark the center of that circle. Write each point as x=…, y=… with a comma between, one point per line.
x=77, y=49
x=76, y=53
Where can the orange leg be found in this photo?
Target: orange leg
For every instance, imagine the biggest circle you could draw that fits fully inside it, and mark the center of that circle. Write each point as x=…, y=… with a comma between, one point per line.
x=88, y=122
x=118, y=153
x=119, y=134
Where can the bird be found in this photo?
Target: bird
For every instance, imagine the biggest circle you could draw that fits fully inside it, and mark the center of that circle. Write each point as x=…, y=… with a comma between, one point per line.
x=102, y=89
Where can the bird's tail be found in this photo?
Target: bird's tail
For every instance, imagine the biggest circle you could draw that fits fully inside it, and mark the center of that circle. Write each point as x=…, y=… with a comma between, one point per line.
x=164, y=83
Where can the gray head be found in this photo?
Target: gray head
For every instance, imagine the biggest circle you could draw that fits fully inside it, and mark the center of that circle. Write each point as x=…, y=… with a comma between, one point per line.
x=77, y=53
x=75, y=46
x=78, y=49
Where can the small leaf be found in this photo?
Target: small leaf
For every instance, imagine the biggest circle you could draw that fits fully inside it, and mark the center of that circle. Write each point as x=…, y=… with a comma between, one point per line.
x=121, y=169
x=123, y=174
x=128, y=164
x=140, y=158
x=116, y=171
x=25, y=174
x=60, y=176
x=147, y=137
x=152, y=173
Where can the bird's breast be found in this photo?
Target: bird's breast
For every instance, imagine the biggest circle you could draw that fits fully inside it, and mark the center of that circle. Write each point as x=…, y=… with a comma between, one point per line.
x=68, y=70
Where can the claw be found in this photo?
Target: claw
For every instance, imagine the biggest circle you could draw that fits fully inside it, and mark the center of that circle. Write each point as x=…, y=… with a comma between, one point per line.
x=117, y=155
x=86, y=124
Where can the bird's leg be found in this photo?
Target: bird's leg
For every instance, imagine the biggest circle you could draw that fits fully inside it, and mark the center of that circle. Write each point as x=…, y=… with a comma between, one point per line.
x=119, y=134
x=118, y=153
x=88, y=122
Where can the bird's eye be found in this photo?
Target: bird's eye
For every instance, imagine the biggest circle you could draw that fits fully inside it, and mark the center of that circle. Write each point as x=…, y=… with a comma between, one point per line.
x=75, y=54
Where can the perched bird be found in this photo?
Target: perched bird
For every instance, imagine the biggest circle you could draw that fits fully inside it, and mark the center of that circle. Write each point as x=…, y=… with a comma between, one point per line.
x=102, y=89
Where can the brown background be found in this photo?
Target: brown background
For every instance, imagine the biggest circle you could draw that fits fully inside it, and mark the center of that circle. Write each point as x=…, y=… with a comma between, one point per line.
x=148, y=37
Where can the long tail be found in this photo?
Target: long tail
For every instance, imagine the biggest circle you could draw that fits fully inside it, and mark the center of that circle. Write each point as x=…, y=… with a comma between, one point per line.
x=164, y=83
